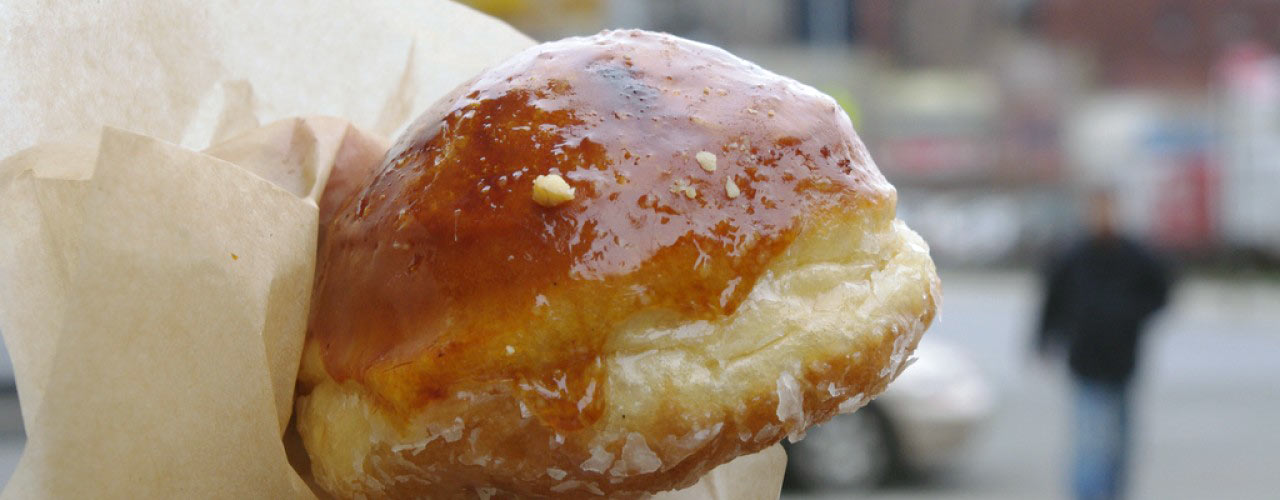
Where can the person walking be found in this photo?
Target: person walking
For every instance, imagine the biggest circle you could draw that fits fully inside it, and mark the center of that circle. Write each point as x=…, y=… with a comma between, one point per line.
x=1098, y=299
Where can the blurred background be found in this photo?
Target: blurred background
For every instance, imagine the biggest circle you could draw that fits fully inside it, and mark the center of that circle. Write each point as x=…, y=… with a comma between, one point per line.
x=990, y=117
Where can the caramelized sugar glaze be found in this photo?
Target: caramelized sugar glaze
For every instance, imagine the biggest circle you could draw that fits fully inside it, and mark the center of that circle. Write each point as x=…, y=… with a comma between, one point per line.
x=457, y=278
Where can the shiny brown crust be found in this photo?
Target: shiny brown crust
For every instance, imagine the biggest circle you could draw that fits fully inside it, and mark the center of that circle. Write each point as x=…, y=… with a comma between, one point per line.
x=477, y=333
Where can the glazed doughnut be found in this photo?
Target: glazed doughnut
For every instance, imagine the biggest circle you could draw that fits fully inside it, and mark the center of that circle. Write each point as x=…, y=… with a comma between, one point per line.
x=603, y=268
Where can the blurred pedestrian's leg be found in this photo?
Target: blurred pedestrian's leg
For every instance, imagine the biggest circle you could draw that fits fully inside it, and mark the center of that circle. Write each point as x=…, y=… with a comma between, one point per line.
x=1101, y=439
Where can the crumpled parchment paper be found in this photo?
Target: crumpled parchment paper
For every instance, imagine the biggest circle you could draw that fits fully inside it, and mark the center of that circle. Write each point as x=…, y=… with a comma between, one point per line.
x=157, y=242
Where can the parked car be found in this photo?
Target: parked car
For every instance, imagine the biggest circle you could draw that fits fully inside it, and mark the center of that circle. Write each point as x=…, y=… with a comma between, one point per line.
x=919, y=424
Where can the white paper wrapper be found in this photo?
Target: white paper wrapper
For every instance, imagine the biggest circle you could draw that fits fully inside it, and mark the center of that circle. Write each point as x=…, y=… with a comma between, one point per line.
x=153, y=297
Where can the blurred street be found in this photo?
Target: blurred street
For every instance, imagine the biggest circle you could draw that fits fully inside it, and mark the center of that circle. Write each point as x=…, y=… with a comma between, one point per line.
x=1207, y=402
x=1207, y=408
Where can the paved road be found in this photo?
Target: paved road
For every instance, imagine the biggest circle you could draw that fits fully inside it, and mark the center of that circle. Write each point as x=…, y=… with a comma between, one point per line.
x=1210, y=400
x=1208, y=412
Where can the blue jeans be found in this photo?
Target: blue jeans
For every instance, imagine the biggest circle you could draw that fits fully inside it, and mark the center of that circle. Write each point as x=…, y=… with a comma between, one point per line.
x=1101, y=439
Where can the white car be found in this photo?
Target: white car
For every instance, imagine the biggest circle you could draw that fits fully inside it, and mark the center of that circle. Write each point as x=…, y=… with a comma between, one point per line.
x=920, y=423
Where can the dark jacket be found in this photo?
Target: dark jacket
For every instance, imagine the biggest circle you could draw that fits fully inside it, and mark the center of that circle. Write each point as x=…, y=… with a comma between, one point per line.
x=1099, y=297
